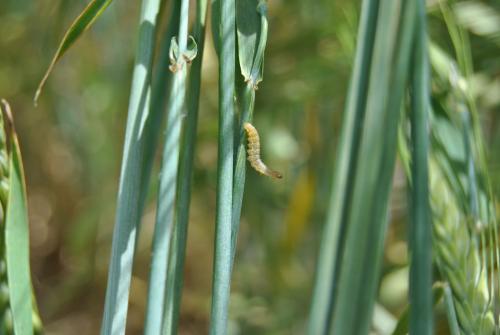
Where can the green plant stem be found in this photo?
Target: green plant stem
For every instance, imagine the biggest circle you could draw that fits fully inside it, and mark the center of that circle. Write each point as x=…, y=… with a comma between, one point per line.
x=366, y=221
x=128, y=204
x=222, y=258
x=178, y=254
x=160, y=84
x=330, y=249
x=420, y=236
x=165, y=213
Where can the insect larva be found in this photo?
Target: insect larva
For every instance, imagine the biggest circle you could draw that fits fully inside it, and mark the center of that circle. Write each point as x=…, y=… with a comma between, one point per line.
x=253, y=152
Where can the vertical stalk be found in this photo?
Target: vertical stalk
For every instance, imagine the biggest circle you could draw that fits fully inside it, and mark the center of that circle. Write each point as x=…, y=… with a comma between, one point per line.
x=420, y=237
x=165, y=214
x=174, y=287
x=367, y=217
x=222, y=257
x=161, y=81
x=330, y=249
x=129, y=205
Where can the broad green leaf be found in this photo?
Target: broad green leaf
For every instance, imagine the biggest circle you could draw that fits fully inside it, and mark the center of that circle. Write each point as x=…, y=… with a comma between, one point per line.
x=83, y=22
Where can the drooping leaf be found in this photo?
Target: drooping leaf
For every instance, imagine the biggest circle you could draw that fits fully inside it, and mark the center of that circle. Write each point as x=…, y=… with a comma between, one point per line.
x=82, y=23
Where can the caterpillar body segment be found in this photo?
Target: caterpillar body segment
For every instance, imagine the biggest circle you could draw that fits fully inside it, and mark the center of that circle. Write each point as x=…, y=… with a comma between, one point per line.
x=253, y=153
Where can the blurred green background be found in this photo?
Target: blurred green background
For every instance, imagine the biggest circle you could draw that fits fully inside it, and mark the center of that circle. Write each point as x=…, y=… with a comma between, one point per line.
x=72, y=146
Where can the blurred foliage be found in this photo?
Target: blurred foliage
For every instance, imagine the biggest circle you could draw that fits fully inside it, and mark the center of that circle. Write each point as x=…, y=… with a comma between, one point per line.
x=72, y=144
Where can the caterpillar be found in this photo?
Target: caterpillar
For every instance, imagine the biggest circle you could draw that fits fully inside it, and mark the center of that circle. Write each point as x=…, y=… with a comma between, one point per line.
x=253, y=152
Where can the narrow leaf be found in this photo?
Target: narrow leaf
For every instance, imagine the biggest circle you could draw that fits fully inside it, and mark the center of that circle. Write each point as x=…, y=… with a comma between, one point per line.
x=83, y=22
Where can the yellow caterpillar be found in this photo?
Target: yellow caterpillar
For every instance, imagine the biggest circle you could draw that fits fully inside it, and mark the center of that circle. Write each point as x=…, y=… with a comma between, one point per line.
x=253, y=152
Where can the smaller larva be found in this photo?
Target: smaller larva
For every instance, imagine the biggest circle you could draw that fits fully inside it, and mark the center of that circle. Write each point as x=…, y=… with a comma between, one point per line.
x=253, y=152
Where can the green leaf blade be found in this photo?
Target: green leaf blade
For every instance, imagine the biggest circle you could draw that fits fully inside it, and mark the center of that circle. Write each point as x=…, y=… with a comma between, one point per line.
x=81, y=24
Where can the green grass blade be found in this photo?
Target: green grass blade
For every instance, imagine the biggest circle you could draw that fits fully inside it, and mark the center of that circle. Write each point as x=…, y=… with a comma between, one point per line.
x=83, y=22
x=165, y=212
x=222, y=258
x=17, y=239
x=420, y=236
x=174, y=289
x=327, y=267
x=366, y=220
x=129, y=205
